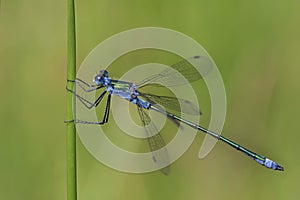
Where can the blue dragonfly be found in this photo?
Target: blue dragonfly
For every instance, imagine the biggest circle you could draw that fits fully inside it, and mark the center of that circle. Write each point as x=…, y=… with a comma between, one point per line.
x=148, y=101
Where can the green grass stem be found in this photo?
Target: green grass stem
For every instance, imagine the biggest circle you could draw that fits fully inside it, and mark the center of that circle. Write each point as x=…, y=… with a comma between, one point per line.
x=71, y=131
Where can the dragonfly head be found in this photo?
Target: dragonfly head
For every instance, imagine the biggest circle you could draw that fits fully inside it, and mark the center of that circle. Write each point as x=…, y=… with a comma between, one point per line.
x=101, y=78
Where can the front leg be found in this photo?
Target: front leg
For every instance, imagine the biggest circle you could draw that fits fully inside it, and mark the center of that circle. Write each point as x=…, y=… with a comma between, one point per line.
x=85, y=86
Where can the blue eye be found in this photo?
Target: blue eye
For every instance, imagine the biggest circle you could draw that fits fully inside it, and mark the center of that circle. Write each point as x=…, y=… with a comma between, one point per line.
x=104, y=73
x=98, y=79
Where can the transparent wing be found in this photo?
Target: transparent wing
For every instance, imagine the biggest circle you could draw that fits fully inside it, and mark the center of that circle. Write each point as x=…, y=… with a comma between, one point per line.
x=155, y=142
x=189, y=68
x=176, y=104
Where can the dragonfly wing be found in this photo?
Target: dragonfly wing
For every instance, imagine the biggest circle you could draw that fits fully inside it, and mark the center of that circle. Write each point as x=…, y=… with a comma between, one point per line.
x=155, y=142
x=173, y=103
x=189, y=68
x=153, y=103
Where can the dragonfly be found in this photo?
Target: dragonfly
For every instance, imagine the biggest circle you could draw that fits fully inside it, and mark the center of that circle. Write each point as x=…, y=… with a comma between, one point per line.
x=148, y=101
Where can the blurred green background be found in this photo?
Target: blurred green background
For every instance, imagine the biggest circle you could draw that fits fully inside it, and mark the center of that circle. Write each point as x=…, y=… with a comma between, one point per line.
x=256, y=47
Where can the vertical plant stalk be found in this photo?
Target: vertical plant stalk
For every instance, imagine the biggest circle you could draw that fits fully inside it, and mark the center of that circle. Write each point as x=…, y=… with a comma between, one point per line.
x=71, y=131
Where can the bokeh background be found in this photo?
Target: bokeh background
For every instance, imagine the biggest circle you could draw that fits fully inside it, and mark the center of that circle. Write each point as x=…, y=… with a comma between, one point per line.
x=256, y=47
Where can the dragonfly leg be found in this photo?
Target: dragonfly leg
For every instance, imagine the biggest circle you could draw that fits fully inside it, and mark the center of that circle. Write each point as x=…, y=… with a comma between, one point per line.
x=106, y=114
x=90, y=105
x=105, y=117
x=85, y=86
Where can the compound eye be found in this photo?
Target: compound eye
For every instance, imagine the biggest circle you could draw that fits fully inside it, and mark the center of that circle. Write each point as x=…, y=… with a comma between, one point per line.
x=98, y=79
x=104, y=73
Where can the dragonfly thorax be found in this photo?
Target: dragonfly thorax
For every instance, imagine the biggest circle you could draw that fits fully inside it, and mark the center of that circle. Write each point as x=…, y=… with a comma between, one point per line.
x=123, y=89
